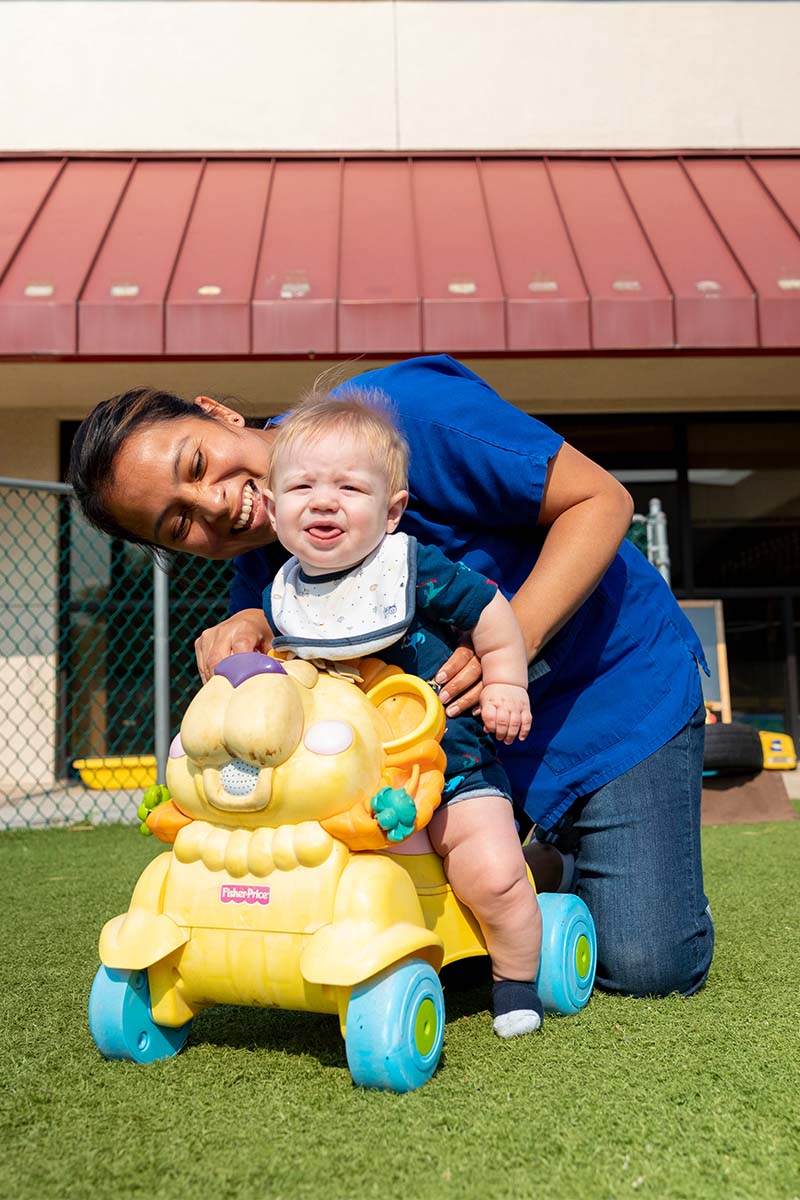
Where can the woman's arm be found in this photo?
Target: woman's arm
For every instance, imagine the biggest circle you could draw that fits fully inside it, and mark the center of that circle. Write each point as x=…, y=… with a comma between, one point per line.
x=588, y=513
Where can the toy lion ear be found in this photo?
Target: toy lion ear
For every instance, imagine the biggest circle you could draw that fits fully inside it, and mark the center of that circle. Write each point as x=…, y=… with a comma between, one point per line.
x=411, y=709
x=304, y=672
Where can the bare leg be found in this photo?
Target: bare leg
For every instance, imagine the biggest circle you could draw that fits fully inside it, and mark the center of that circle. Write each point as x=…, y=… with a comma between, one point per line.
x=483, y=860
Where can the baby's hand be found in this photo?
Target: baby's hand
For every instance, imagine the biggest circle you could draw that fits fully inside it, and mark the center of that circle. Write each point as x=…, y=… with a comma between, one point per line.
x=506, y=711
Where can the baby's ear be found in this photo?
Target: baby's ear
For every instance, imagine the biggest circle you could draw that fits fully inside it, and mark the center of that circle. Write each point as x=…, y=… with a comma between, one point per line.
x=271, y=508
x=397, y=506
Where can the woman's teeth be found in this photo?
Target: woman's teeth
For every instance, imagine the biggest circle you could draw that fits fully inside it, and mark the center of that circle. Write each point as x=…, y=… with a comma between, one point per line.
x=247, y=508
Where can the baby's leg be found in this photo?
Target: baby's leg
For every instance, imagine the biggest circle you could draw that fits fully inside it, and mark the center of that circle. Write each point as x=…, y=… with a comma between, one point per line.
x=478, y=840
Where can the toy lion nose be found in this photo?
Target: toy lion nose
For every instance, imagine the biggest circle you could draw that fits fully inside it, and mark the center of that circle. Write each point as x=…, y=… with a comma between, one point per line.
x=249, y=712
x=239, y=667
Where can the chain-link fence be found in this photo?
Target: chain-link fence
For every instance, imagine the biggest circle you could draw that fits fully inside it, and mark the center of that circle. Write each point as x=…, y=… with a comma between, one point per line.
x=77, y=660
x=78, y=681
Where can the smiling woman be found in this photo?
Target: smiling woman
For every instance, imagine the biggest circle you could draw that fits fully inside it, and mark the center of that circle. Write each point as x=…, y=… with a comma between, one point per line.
x=612, y=766
x=163, y=472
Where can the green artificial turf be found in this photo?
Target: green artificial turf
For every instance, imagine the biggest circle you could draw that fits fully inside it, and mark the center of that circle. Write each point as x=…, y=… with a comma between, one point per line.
x=667, y=1098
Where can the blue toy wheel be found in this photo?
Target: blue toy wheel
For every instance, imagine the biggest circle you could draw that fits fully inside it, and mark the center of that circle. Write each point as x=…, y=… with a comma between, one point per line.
x=395, y=1028
x=569, y=953
x=121, y=1023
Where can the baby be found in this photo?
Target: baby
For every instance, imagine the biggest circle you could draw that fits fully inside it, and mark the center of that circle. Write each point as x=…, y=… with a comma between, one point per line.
x=337, y=489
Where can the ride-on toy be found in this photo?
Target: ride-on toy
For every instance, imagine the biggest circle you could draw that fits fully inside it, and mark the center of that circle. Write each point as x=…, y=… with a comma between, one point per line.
x=291, y=794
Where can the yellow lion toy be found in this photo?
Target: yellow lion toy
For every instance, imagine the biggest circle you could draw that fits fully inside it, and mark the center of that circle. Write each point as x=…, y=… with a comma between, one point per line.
x=292, y=792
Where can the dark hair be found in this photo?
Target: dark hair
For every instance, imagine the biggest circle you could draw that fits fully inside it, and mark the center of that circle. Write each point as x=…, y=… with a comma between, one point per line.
x=98, y=441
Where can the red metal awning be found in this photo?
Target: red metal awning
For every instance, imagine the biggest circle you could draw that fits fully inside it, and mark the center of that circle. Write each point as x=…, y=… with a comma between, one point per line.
x=237, y=255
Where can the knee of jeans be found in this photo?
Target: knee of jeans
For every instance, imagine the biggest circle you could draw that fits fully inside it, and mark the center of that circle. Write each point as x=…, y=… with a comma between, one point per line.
x=651, y=968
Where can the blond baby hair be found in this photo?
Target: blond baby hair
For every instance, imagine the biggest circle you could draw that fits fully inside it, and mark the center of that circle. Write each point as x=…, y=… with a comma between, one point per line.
x=363, y=413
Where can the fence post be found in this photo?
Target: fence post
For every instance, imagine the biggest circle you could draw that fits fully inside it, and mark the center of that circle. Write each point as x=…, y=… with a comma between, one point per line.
x=161, y=671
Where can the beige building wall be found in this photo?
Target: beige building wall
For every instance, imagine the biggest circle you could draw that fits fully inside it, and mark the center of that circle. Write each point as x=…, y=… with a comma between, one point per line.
x=28, y=607
x=398, y=75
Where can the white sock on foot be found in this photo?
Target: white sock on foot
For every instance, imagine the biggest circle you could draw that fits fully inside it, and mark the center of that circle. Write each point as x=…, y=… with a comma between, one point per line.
x=513, y=1024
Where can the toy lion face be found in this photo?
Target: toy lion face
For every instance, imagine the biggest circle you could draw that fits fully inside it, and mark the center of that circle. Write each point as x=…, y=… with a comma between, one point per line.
x=270, y=743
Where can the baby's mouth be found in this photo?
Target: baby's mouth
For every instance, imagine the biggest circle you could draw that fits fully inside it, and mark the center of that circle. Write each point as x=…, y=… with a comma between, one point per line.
x=324, y=533
x=250, y=498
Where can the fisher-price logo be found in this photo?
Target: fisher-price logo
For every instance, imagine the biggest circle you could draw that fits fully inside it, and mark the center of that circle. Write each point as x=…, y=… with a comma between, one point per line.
x=234, y=893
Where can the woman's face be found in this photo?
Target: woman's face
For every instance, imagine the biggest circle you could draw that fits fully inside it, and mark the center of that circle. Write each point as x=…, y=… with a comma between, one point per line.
x=195, y=485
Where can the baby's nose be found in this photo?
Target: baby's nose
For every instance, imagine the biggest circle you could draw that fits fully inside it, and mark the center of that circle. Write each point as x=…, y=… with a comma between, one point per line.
x=325, y=497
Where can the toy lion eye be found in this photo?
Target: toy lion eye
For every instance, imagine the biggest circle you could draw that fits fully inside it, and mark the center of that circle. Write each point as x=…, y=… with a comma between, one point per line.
x=328, y=737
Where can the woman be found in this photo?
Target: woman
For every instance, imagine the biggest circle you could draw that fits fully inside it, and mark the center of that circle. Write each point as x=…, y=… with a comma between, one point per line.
x=611, y=771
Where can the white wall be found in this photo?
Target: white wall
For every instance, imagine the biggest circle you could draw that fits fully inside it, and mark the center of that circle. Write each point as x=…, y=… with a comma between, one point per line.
x=397, y=75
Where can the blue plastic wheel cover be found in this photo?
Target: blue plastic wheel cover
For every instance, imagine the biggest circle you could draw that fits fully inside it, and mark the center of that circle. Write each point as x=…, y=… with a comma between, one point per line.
x=121, y=1023
x=395, y=1028
x=569, y=953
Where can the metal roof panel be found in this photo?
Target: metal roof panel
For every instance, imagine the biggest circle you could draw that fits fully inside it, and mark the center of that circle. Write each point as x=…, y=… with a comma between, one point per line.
x=294, y=300
x=208, y=306
x=761, y=237
x=631, y=305
x=714, y=302
x=463, y=302
x=121, y=308
x=379, y=295
x=39, y=293
x=548, y=307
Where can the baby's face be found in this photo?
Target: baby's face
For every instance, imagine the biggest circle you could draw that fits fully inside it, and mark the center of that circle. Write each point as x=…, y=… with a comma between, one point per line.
x=329, y=502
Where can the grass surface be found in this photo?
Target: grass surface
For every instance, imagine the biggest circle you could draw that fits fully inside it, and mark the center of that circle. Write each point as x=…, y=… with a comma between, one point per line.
x=670, y=1098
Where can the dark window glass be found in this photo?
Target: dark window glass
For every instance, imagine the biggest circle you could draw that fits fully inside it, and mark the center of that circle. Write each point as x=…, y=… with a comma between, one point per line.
x=745, y=503
x=756, y=662
x=642, y=454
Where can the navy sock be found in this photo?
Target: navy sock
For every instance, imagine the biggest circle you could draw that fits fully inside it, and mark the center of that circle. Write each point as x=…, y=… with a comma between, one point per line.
x=513, y=995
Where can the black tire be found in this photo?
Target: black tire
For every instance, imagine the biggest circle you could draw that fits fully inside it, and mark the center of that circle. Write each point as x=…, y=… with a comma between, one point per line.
x=732, y=749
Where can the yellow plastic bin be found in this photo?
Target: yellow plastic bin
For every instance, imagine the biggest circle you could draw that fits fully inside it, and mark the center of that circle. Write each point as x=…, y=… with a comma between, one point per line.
x=104, y=774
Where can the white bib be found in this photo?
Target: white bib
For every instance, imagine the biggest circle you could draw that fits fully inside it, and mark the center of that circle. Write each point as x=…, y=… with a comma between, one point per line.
x=348, y=614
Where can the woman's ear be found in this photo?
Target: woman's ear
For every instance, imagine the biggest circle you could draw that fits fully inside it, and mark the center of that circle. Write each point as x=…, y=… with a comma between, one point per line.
x=397, y=506
x=214, y=408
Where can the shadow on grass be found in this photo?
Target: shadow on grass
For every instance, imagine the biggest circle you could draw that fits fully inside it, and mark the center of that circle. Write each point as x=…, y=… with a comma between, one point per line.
x=467, y=991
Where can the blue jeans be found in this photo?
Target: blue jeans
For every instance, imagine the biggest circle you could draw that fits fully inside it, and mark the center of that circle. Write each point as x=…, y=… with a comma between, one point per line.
x=636, y=843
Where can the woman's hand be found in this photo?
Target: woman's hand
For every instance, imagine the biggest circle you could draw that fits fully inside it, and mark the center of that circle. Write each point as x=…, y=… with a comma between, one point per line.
x=460, y=681
x=245, y=630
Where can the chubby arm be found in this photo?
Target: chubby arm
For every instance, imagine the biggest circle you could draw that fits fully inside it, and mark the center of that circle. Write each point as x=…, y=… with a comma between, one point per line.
x=499, y=644
x=588, y=513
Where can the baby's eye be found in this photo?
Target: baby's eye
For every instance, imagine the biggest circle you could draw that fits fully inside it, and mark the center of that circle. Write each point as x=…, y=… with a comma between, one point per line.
x=328, y=737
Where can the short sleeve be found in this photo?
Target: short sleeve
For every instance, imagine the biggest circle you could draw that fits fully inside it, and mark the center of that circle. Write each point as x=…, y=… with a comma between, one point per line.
x=475, y=458
x=450, y=591
x=251, y=574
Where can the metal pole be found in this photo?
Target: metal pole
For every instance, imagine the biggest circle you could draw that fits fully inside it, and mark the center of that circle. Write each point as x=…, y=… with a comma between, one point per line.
x=161, y=668
x=657, y=540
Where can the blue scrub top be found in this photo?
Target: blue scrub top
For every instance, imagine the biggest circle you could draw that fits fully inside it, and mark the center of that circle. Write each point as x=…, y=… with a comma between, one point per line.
x=621, y=677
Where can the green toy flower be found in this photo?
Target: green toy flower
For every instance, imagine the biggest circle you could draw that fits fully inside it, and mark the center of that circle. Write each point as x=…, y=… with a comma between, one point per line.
x=156, y=794
x=395, y=812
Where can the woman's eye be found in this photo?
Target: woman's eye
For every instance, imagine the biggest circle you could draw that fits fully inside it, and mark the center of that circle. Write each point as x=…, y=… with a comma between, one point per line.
x=181, y=528
x=198, y=466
